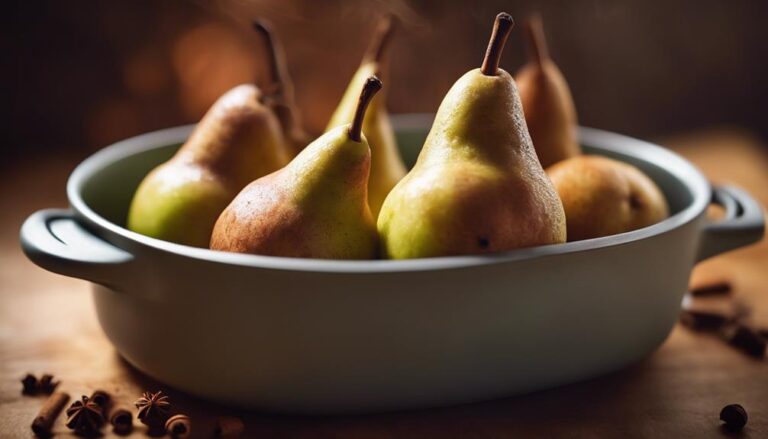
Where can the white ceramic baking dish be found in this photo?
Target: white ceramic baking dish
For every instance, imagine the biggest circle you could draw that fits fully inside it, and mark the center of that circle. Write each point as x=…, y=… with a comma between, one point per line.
x=325, y=336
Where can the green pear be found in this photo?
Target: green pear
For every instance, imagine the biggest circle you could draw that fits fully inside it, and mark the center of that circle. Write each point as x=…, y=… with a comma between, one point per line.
x=387, y=166
x=238, y=139
x=315, y=207
x=281, y=91
x=477, y=186
x=549, y=110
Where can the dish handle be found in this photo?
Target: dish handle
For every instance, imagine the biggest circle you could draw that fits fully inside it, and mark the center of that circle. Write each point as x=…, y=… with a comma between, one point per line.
x=57, y=242
x=742, y=225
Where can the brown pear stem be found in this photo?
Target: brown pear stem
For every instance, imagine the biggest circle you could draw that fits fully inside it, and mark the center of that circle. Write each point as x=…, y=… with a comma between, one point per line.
x=379, y=44
x=501, y=29
x=280, y=81
x=280, y=92
x=537, y=43
x=371, y=87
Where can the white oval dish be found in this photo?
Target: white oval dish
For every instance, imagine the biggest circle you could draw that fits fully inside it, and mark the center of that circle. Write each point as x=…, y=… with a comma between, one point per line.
x=325, y=336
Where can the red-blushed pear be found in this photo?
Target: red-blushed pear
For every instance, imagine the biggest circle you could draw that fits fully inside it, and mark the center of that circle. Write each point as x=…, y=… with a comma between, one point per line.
x=387, y=167
x=602, y=196
x=239, y=139
x=281, y=94
x=247, y=133
x=477, y=186
x=547, y=102
x=315, y=207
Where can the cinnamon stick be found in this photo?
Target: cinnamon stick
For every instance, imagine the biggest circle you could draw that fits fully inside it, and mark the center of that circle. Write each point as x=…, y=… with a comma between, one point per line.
x=48, y=413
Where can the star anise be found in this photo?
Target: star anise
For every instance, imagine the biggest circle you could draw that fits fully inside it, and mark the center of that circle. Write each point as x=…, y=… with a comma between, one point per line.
x=85, y=417
x=154, y=408
x=47, y=384
x=29, y=383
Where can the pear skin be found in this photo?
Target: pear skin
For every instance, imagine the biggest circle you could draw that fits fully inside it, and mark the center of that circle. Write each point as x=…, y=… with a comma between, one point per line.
x=477, y=186
x=549, y=109
x=602, y=197
x=387, y=166
x=315, y=207
x=238, y=139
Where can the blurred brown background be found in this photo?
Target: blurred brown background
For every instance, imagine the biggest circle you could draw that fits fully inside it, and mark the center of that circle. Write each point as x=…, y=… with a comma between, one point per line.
x=79, y=75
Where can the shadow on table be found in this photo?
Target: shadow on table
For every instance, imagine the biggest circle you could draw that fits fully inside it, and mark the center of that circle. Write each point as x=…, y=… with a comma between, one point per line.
x=593, y=405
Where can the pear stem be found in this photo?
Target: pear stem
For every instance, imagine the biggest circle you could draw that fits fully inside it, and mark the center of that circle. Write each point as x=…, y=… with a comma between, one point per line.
x=537, y=43
x=501, y=29
x=377, y=49
x=280, y=81
x=371, y=87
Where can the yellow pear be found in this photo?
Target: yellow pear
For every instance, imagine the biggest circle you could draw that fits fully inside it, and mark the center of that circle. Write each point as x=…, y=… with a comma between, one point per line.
x=477, y=186
x=547, y=102
x=315, y=207
x=387, y=167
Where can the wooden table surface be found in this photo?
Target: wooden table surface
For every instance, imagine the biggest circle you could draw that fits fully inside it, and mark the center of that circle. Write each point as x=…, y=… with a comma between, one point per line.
x=47, y=324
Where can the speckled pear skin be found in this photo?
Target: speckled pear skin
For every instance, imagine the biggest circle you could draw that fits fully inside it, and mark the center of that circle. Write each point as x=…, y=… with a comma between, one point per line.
x=477, y=186
x=237, y=141
x=315, y=207
x=387, y=166
x=602, y=197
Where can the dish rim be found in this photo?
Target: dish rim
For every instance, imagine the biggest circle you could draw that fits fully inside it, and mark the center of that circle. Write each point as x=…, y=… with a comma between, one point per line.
x=674, y=164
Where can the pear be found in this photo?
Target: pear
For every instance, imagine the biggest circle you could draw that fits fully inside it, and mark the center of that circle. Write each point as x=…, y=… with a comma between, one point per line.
x=238, y=139
x=315, y=207
x=387, y=166
x=477, y=186
x=281, y=91
x=549, y=109
x=602, y=196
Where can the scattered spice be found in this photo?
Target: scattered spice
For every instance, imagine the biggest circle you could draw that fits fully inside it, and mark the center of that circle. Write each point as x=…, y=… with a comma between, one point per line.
x=734, y=416
x=717, y=288
x=121, y=420
x=178, y=426
x=741, y=311
x=85, y=417
x=228, y=427
x=747, y=339
x=47, y=385
x=703, y=320
x=102, y=399
x=154, y=408
x=48, y=413
x=29, y=384
x=728, y=318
